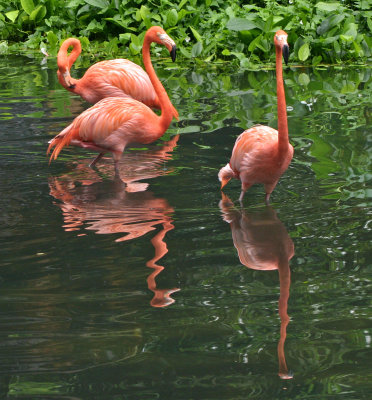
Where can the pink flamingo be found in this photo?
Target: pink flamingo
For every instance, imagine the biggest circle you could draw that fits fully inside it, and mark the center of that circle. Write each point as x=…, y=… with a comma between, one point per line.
x=262, y=154
x=114, y=122
x=110, y=78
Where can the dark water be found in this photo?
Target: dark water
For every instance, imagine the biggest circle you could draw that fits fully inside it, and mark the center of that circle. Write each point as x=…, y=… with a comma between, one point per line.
x=163, y=291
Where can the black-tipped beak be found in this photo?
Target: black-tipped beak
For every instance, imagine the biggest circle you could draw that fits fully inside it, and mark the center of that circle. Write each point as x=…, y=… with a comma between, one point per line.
x=72, y=86
x=286, y=53
x=173, y=53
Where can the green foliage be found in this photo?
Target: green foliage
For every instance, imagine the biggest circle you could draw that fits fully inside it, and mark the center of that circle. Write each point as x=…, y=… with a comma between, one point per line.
x=211, y=30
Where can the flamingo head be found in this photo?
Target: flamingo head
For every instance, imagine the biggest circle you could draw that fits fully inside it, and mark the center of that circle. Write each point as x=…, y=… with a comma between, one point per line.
x=225, y=174
x=158, y=35
x=280, y=40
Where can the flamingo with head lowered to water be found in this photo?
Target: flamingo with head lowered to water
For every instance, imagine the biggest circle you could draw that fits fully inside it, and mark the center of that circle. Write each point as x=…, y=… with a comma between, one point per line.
x=262, y=154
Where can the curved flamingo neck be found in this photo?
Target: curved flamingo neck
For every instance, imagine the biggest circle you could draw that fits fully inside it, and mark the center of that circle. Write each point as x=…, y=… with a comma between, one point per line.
x=165, y=104
x=65, y=61
x=282, y=107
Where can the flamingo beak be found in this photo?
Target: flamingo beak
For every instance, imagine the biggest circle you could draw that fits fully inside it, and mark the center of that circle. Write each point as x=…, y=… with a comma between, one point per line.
x=173, y=53
x=67, y=78
x=286, y=53
x=224, y=182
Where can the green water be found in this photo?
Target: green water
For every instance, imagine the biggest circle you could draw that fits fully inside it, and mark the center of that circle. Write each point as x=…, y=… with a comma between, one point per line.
x=152, y=293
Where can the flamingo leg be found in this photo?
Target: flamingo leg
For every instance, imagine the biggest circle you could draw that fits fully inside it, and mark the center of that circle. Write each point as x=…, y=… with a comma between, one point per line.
x=94, y=162
x=267, y=198
x=245, y=187
x=241, y=197
x=269, y=187
x=117, y=156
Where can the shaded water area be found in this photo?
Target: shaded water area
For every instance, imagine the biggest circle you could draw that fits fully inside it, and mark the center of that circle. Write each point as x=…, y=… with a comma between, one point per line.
x=165, y=289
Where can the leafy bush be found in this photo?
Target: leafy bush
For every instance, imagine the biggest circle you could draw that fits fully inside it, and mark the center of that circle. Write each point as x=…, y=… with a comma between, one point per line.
x=210, y=30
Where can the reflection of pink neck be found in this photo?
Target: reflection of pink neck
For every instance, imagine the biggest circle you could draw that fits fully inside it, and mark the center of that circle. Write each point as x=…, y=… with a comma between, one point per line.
x=285, y=282
x=161, y=296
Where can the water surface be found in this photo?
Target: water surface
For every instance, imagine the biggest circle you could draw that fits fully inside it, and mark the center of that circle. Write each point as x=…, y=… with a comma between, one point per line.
x=164, y=288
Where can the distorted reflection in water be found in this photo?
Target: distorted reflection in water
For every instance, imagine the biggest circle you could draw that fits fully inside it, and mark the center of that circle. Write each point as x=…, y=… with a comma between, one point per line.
x=263, y=244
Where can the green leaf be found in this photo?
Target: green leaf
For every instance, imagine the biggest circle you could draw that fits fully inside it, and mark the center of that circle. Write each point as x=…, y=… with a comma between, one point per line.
x=172, y=17
x=337, y=47
x=135, y=40
x=12, y=15
x=117, y=22
x=358, y=50
x=254, y=43
x=134, y=49
x=369, y=23
x=303, y=79
x=346, y=38
x=348, y=88
x=196, y=49
x=329, y=23
x=328, y=6
x=269, y=23
x=304, y=52
x=98, y=3
x=95, y=26
x=28, y=6
x=38, y=14
x=196, y=34
x=316, y=60
x=124, y=37
x=240, y=24
x=84, y=42
x=52, y=39
x=351, y=30
x=144, y=13
x=185, y=53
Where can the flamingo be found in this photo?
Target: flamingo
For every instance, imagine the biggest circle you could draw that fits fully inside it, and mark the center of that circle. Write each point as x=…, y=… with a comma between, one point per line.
x=110, y=78
x=114, y=122
x=262, y=154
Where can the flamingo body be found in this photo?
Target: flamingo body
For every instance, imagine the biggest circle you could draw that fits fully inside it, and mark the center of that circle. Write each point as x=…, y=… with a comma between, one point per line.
x=262, y=154
x=109, y=125
x=110, y=78
x=114, y=122
x=255, y=159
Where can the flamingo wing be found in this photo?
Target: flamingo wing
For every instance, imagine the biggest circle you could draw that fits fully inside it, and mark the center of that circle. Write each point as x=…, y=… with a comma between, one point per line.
x=120, y=78
x=107, y=126
x=254, y=149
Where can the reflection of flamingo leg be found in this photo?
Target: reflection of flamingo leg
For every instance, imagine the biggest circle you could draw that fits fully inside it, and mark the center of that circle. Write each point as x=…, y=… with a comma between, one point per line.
x=285, y=282
x=161, y=296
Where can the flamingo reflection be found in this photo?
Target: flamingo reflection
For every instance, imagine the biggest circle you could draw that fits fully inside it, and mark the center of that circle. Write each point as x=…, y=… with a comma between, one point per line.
x=112, y=207
x=263, y=243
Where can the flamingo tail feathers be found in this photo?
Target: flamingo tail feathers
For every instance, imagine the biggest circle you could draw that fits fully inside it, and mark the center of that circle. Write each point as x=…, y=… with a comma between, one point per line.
x=59, y=142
